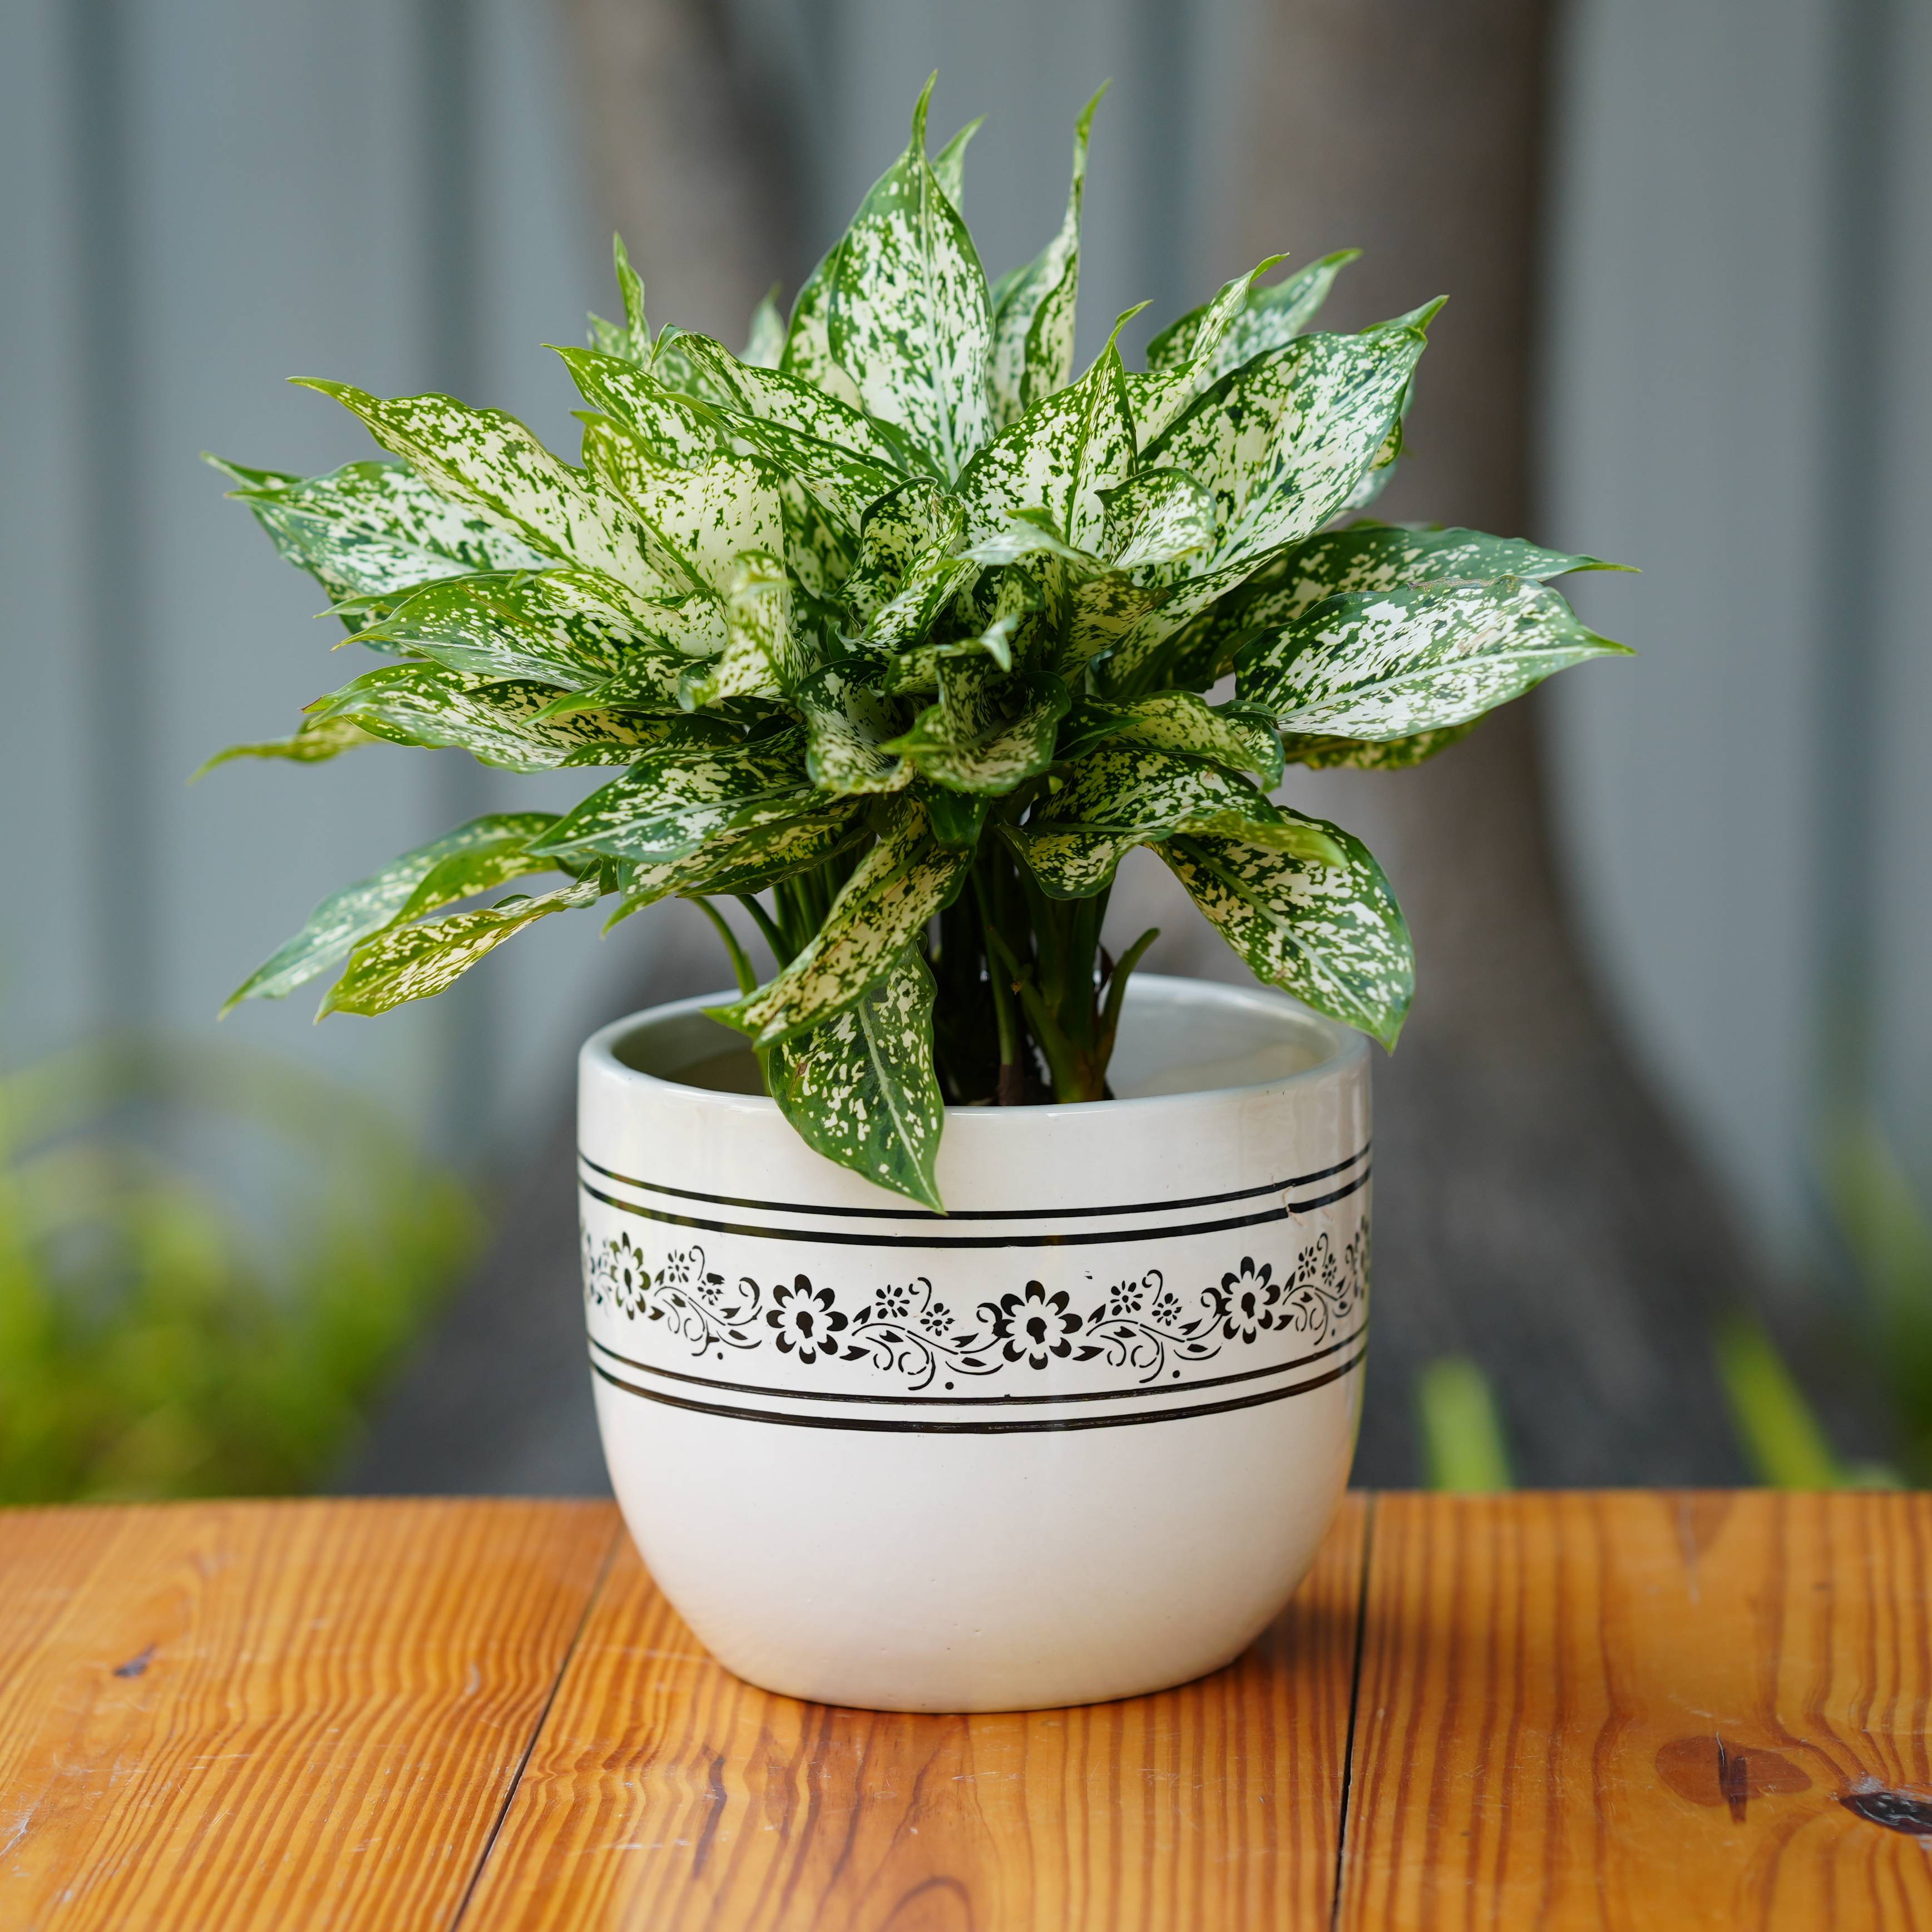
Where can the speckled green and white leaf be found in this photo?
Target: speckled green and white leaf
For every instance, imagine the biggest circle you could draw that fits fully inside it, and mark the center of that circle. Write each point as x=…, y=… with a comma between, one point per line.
x=846, y=726
x=1242, y=739
x=1118, y=797
x=652, y=678
x=860, y=1088
x=917, y=669
x=567, y=627
x=949, y=165
x=370, y=529
x=956, y=746
x=1031, y=534
x=1032, y=352
x=1157, y=516
x=881, y=911
x=314, y=740
x=480, y=868
x=1332, y=935
x=1057, y=460
x=910, y=319
x=765, y=339
x=808, y=349
x=1389, y=663
x=1136, y=657
x=775, y=397
x=1390, y=755
x=352, y=914
x=495, y=720
x=763, y=657
x=1267, y=319
x=1179, y=366
x=632, y=340
x=671, y=802
x=489, y=460
x=1389, y=556
x=1281, y=440
x=917, y=520
x=677, y=429
x=934, y=580
x=411, y=962
x=743, y=862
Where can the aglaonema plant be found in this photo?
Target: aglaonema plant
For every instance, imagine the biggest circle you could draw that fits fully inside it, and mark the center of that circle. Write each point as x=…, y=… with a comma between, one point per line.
x=902, y=636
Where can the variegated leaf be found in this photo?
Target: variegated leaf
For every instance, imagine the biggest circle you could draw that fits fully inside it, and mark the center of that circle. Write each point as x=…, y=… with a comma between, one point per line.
x=567, y=627
x=808, y=349
x=490, y=461
x=987, y=733
x=351, y=915
x=1389, y=754
x=1266, y=319
x=495, y=720
x=1331, y=935
x=746, y=861
x=671, y=802
x=1057, y=459
x=917, y=669
x=949, y=165
x=1380, y=665
x=881, y=910
x=1157, y=516
x=765, y=340
x=860, y=1088
x=1281, y=440
x=1233, y=735
x=846, y=727
x=632, y=341
x=1180, y=368
x=1138, y=655
x=678, y=431
x=1032, y=352
x=316, y=738
x=917, y=519
x=704, y=518
x=787, y=402
x=763, y=657
x=373, y=529
x=910, y=319
x=1117, y=798
x=411, y=962
x=934, y=580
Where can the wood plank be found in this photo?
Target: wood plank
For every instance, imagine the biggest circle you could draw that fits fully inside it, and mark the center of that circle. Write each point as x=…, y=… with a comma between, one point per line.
x=272, y=1714
x=1643, y=1710
x=664, y=1793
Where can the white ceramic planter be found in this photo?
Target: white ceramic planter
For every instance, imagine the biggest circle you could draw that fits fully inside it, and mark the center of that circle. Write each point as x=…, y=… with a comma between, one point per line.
x=1078, y=1438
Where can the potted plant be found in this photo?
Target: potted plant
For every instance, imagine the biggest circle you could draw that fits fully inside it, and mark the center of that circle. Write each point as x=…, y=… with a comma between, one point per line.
x=975, y=1325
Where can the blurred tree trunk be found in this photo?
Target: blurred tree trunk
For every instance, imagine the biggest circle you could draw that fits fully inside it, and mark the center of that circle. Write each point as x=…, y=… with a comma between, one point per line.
x=1534, y=1208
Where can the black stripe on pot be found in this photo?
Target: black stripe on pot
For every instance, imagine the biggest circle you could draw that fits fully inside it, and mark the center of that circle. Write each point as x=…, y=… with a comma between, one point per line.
x=909, y=1214
x=978, y=1401
x=1026, y=1426
x=828, y=1237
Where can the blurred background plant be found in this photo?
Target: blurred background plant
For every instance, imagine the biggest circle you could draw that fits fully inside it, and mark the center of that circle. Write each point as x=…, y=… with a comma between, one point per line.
x=208, y=1258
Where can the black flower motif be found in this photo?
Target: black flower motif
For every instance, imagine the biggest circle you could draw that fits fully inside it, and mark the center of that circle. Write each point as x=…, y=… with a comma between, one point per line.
x=1252, y=1293
x=1125, y=1298
x=1166, y=1309
x=681, y=1265
x=807, y=1323
x=936, y=1318
x=1033, y=1325
x=894, y=1303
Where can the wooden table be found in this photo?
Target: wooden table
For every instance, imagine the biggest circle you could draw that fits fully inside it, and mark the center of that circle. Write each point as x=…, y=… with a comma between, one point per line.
x=1643, y=1710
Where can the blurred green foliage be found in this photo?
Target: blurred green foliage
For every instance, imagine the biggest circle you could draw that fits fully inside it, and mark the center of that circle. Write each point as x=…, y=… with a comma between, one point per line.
x=1463, y=1446
x=208, y=1261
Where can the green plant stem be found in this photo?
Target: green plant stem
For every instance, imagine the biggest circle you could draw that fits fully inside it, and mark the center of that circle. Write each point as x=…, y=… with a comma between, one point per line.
x=1011, y=1088
x=782, y=950
x=741, y=966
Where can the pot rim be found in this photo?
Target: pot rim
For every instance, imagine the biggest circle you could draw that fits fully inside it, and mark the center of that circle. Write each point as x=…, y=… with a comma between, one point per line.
x=1346, y=1048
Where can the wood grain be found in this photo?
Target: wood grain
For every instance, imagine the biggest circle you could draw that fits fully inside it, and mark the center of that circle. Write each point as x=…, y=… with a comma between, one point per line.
x=287, y=1714
x=663, y=1793
x=1644, y=1710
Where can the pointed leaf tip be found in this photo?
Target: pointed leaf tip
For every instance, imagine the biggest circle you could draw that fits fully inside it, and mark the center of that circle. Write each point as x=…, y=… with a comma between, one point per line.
x=917, y=144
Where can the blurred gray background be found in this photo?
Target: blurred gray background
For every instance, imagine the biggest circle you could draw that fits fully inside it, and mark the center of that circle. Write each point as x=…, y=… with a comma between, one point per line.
x=1672, y=916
